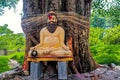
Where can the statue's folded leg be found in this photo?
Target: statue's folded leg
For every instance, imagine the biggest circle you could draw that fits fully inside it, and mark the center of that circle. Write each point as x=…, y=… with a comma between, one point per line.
x=40, y=52
x=43, y=52
x=61, y=53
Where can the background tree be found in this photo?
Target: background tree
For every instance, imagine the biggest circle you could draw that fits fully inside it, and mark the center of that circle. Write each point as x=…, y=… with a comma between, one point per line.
x=7, y=4
x=97, y=21
x=108, y=10
x=9, y=40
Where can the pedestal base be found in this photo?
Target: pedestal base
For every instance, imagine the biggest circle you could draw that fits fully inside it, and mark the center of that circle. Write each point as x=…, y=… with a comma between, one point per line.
x=35, y=70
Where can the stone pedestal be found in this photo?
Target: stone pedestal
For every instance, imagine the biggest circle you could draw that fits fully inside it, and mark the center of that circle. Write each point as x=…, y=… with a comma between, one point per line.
x=35, y=70
x=62, y=70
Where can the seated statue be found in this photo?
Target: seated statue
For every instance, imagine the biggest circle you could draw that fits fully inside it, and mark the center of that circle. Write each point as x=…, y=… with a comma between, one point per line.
x=52, y=39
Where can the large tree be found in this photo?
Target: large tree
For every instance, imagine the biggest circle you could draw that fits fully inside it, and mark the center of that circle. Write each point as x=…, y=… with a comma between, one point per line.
x=73, y=15
x=77, y=27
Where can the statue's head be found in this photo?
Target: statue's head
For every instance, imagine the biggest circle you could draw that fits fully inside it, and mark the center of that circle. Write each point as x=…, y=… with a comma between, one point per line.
x=52, y=21
x=52, y=17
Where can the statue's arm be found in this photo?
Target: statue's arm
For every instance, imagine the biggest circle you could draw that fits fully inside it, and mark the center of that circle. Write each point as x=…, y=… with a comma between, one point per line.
x=41, y=39
x=62, y=38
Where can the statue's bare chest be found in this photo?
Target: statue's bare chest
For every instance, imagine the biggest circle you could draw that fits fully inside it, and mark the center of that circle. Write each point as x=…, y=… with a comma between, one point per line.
x=55, y=34
x=51, y=39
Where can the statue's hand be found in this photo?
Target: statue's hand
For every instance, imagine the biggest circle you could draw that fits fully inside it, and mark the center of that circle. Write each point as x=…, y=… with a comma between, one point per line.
x=50, y=50
x=31, y=49
x=47, y=51
x=66, y=48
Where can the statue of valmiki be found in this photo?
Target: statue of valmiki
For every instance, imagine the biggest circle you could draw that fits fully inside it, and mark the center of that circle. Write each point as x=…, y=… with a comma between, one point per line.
x=50, y=48
x=51, y=40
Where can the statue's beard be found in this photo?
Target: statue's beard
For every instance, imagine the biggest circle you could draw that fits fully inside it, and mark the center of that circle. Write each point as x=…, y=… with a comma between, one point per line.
x=52, y=27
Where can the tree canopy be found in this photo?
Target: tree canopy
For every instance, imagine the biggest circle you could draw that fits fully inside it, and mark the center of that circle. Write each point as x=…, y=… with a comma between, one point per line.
x=108, y=11
x=9, y=40
x=7, y=4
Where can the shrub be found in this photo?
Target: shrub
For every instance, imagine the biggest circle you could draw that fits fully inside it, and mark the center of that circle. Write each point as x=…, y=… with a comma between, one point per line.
x=112, y=35
x=19, y=56
x=4, y=64
x=106, y=54
x=106, y=58
x=96, y=35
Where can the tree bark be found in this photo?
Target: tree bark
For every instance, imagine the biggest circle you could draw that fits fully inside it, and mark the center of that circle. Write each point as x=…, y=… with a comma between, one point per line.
x=76, y=28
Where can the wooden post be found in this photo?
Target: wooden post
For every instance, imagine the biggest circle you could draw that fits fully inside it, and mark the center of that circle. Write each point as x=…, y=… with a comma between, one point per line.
x=35, y=70
x=62, y=70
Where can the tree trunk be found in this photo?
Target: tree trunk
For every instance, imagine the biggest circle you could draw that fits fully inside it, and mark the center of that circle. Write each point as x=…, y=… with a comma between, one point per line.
x=77, y=27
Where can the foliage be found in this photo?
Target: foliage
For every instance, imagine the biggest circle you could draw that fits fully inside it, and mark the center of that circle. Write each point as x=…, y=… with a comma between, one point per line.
x=108, y=9
x=4, y=64
x=4, y=30
x=104, y=36
x=96, y=35
x=97, y=21
x=106, y=54
x=112, y=35
x=105, y=44
x=7, y=4
x=110, y=49
x=9, y=40
x=19, y=56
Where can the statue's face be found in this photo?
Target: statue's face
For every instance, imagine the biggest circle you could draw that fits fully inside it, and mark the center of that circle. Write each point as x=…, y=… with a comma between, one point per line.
x=52, y=23
x=52, y=19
